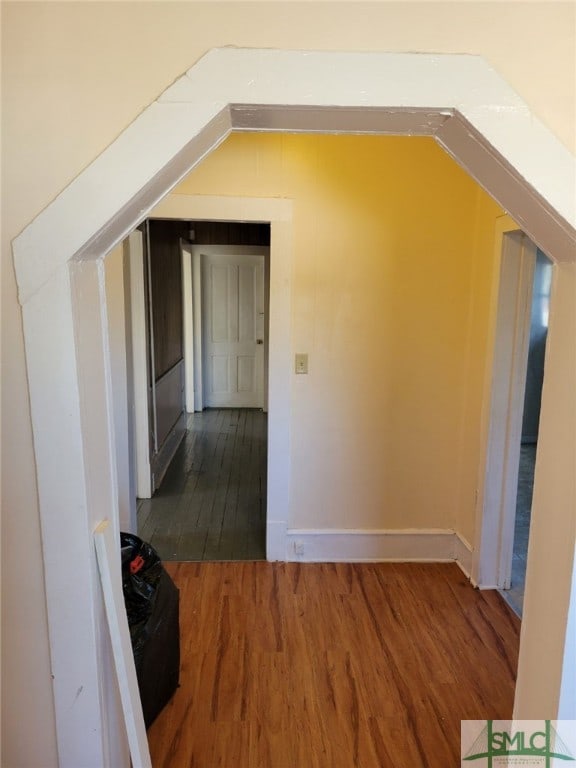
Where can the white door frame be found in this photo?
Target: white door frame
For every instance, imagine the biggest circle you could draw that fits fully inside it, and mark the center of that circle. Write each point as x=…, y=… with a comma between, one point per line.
x=471, y=112
x=279, y=213
x=512, y=299
x=197, y=334
x=192, y=300
x=139, y=365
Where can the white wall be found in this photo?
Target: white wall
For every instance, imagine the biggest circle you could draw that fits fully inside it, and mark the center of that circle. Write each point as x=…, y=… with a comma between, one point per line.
x=74, y=75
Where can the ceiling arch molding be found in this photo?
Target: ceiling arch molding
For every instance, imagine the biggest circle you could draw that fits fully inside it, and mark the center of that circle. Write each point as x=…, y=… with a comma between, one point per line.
x=457, y=99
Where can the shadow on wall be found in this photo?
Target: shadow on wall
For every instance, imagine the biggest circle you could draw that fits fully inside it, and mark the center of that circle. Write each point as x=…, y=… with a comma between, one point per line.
x=537, y=347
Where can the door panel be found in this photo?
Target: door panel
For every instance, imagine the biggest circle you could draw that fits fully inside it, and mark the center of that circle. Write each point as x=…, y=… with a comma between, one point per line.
x=218, y=296
x=220, y=377
x=169, y=392
x=233, y=330
x=246, y=372
x=246, y=303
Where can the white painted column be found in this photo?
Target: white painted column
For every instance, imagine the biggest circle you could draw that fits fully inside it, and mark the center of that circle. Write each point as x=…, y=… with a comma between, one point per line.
x=132, y=525
x=75, y=488
x=279, y=390
x=505, y=397
x=93, y=355
x=138, y=364
x=118, y=312
x=545, y=637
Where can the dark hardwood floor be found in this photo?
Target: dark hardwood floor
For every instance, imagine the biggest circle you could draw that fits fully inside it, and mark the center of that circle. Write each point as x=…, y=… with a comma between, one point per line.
x=515, y=595
x=212, y=502
x=293, y=665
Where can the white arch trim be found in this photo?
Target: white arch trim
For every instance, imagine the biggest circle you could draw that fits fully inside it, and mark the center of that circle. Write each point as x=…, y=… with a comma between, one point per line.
x=458, y=99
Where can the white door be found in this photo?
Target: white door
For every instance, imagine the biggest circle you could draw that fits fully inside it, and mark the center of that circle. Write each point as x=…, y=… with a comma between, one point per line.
x=233, y=329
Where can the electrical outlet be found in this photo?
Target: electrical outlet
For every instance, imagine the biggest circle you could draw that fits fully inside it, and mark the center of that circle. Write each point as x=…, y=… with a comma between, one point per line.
x=301, y=362
x=298, y=547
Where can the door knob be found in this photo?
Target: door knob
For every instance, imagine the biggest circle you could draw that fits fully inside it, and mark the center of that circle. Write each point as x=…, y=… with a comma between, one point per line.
x=259, y=341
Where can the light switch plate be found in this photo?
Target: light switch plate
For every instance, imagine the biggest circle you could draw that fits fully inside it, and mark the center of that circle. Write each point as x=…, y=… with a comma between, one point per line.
x=301, y=362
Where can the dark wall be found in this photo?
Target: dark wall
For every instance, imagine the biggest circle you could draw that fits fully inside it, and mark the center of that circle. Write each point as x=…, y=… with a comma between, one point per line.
x=229, y=233
x=166, y=275
x=537, y=348
x=166, y=289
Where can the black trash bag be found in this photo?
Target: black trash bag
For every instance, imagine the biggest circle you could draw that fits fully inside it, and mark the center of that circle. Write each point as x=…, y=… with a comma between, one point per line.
x=158, y=668
x=152, y=606
x=141, y=572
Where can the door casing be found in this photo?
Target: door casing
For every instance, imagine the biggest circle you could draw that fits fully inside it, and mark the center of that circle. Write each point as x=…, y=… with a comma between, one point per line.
x=194, y=319
x=515, y=257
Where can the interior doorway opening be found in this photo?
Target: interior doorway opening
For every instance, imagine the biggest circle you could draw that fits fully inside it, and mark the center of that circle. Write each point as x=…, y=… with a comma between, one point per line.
x=210, y=501
x=513, y=591
x=522, y=303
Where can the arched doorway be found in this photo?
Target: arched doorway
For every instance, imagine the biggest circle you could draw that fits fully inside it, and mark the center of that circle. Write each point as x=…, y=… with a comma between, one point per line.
x=457, y=99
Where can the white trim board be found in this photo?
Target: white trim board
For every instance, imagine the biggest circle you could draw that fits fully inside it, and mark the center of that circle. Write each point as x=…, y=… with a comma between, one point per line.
x=188, y=326
x=471, y=112
x=315, y=545
x=515, y=257
x=458, y=99
x=139, y=365
x=463, y=553
x=111, y=581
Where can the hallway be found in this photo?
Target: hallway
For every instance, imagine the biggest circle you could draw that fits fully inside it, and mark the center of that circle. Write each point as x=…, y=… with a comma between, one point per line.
x=212, y=502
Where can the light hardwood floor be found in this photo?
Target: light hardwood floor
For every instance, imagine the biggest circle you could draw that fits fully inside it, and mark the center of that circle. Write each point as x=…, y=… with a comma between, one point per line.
x=288, y=665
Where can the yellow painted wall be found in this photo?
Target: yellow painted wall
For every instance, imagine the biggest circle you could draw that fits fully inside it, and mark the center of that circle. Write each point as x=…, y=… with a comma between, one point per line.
x=74, y=75
x=393, y=257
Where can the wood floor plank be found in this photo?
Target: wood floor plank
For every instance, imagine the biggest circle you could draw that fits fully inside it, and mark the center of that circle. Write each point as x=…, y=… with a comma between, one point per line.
x=212, y=502
x=291, y=665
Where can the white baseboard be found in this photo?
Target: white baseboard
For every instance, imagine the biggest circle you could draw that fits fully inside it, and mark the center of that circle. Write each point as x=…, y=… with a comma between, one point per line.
x=463, y=554
x=367, y=545
x=161, y=460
